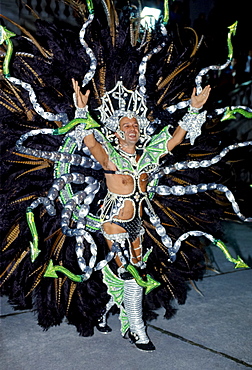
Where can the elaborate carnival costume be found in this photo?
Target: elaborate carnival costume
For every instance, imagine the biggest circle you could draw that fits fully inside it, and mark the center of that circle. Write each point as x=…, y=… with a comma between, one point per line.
x=63, y=272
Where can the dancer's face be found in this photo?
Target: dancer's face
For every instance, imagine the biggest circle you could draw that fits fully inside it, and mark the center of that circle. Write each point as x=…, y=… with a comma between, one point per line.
x=130, y=128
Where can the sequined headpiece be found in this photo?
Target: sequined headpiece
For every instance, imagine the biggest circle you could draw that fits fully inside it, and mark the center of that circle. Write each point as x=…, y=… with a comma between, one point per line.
x=121, y=102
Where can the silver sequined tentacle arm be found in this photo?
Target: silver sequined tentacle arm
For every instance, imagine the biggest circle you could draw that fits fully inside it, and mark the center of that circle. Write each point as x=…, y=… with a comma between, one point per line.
x=93, y=62
x=192, y=123
x=36, y=106
x=83, y=112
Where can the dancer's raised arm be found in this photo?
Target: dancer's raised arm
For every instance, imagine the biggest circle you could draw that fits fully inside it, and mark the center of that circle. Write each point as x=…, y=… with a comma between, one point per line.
x=187, y=123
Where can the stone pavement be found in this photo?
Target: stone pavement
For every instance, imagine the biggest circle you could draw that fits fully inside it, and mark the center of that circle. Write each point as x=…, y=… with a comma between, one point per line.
x=211, y=331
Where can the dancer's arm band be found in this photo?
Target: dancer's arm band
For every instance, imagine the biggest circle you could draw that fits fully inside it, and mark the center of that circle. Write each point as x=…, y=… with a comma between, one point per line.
x=192, y=123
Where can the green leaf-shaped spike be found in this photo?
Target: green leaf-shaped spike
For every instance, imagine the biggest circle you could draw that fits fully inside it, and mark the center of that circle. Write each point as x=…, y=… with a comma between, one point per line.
x=146, y=256
x=229, y=114
x=50, y=271
x=34, y=252
x=90, y=122
x=5, y=34
x=150, y=284
x=90, y=6
x=240, y=263
x=231, y=33
x=166, y=12
x=32, y=226
x=233, y=28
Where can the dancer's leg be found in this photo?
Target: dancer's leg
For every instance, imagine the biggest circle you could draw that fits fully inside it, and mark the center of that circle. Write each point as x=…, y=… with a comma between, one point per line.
x=133, y=295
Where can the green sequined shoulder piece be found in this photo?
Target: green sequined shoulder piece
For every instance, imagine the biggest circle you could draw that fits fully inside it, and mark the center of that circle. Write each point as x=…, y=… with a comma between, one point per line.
x=122, y=163
x=154, y=150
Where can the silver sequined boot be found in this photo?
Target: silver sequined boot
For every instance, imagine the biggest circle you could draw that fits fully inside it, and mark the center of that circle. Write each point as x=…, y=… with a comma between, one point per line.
x=133, y=294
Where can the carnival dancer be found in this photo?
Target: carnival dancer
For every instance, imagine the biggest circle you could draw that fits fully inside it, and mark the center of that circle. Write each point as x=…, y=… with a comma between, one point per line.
x=122, y=208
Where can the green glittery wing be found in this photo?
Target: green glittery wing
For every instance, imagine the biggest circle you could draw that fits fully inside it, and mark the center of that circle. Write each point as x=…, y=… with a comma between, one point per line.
x=124, y=321
x=122, y=163
x=153, y=151
x=115, y=287
x=114, y=284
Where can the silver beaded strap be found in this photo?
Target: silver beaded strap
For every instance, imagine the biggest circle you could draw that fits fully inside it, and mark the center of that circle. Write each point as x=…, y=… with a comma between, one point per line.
x=205, y=70
x=142, y=68
x=181, y=105
x=47, y=203
x=93, y=62
x=175, y=248
x=179, y=190
x=192, y=123
x=36, y=106
x=204, y=163
x=83, y=198
x=73, y=159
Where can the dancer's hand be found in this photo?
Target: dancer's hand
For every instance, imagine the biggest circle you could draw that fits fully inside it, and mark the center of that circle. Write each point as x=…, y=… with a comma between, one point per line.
x=81, y=99
x=197, y=101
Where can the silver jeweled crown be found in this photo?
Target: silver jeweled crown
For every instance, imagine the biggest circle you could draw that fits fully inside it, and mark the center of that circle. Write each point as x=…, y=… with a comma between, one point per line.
x=121, y=102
